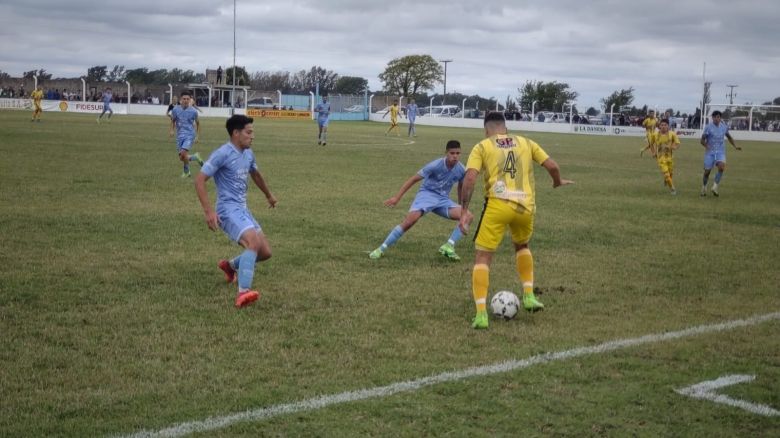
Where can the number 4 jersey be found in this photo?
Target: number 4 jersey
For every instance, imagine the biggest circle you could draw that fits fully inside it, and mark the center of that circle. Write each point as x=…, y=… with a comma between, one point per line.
x=505, y=161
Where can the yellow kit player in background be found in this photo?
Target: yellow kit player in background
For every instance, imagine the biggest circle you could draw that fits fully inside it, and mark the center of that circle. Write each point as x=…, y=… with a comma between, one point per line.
x=37, y=96
x=394, y=110
x=665, y=142
x=506, y=162
x=649, y=123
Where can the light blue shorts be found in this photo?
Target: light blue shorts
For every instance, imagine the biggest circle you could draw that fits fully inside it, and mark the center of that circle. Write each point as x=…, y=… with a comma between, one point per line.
x=323, y=122
x=711, y=158
x=183, y=143
x=234, y=221
x=431, y=202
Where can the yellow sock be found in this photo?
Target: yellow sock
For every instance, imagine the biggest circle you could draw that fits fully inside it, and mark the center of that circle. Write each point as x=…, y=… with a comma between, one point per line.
x=480, y=278
x=525, y=269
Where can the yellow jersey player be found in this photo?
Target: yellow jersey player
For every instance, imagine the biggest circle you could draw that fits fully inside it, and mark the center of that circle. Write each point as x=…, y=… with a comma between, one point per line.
x=37, y=97
x=394, y=110
x=665, y=142
x=649, y=124
x=505, y=161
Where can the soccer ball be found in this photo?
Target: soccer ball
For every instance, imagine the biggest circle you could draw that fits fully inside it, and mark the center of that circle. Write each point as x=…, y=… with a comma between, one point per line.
x=505, y=304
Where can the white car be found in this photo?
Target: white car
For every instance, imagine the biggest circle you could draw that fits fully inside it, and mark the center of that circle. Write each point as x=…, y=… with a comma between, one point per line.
x=355, y=109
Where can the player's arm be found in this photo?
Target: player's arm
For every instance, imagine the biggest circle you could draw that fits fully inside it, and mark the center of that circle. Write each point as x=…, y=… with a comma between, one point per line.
x=173, y=127
x=414, y=179
x=465, y=191
x=555, y=173
x=200, y=188
x=257, y=177
x=197, y=130
x=703, y=141
x=731, y=140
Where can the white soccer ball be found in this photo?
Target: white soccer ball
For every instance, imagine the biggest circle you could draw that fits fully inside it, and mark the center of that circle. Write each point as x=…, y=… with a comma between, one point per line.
x=505, y=304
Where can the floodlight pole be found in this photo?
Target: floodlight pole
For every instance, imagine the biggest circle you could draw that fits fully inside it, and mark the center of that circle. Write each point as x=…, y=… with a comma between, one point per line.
x=731, y=93
x=611, y=114
x=444, y=96
x=233, y=94
x=83, y=89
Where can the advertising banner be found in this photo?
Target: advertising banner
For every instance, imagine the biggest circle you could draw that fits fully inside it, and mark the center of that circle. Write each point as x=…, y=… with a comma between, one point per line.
x=278, y=114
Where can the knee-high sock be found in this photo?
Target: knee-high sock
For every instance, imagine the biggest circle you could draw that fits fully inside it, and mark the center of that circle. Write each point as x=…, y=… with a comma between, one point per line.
x=480, y=280
x=718, y=176
x=704, y=179
x=455, y=236
x=393, y=237
x=525, y=269
x=246, y=270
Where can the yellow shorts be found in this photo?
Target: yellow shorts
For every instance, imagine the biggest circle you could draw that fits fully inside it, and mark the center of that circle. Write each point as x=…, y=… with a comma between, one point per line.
x=38, y=107
x=649, y=137
x=666, y=165
x=499, y=215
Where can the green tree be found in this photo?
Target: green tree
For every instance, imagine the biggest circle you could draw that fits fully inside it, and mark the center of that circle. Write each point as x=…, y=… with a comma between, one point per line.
x=411, y=74
x=42, y=75
x=271, y=81
x=351, y=85
x=242, y=77
x=4, y=75
x=619, y=98
x=592, y=111
x=97, y=73
x=548, y=95
x=117, y=74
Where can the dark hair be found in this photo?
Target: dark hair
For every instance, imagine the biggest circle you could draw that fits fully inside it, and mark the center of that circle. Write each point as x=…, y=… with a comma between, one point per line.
x=238, y=121
x=186, y=93
x=495, y=116
x=453, y=144
x=717, y=113
x=664, y=121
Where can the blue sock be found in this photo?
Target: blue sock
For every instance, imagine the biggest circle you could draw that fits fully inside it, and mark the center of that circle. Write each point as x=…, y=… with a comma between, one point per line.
x=324, y=137
x=393, y=237
x=186, y=168
x=193, y=158
x=246, y=270
x=455, y=236
x=235, y=262
x=718, y=176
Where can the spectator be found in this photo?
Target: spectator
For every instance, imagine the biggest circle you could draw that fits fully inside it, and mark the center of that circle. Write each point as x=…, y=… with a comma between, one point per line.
x=540, y=117
x=219, y=75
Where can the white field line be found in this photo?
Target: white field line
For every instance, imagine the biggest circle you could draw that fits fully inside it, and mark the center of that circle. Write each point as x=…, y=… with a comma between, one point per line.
x=706, y=391
x=259, y=414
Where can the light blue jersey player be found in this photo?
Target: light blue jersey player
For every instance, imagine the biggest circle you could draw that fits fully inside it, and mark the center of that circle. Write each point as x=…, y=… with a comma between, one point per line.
x=437, y=178
x=323, y=114
x=230, y=165
x=411, y=114
x=713, y=139
x=106, y=99
x=184, y=120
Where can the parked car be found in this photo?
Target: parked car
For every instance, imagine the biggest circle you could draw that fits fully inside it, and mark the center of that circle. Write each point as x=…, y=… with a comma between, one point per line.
x=355, y=109
x=261, y=102
x=442, y=111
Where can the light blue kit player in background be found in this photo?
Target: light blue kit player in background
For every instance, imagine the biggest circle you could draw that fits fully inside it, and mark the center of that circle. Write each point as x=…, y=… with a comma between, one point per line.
x=437, y=178
x=230, y=165
x=184, y=119
x=106, y=98
x=411, y=114
x=713, y=140
x=323, y=114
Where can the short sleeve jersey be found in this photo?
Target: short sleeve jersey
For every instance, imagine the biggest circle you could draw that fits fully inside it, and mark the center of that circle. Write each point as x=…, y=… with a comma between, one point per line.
x=230, y=166
x=411, y=111
x=715, y=136
x=649, y=124
x=439, y=179
x=323, y=110
x=107, y=97
x=505, y=161
x=394, y=112
x=664, y=144
x=184, y=118
x=37, y=95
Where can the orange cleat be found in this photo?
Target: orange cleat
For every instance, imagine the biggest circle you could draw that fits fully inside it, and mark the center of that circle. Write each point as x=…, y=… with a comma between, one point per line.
x=247, y=298
x=230, y=273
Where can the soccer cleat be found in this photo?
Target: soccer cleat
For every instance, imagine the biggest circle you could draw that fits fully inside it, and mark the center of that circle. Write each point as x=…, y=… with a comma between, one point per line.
x=98, y=120
x=375, y=254
x=323, y=143
x=186, y=174
x=448, y=251
x=480, y=320
x=715, y=189
x=531, y=304
x=197, y=158
x=246, y=298
x=703, y=191
x=674, y=192
x=230, y=273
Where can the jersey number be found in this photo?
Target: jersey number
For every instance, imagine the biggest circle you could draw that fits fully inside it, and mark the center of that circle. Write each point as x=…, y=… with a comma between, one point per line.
x=510, y=165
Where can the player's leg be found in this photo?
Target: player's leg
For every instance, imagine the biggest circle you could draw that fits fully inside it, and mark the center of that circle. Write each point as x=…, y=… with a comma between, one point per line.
x=709, y=163
x=411, y=218
x=319, y=133
x=324, y=133
x=721, y=165
x=522, y=227
x=184, y=157
x=110, y=113
x=669, y=175
x=450, y=211
x=487, y=237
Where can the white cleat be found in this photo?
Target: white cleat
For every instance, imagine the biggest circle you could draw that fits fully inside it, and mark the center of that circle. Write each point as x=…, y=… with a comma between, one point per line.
x=715, y=189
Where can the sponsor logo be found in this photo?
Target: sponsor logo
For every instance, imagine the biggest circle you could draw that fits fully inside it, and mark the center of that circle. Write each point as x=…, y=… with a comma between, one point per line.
x=15, y=104
x=88, y=107
x=63, y=106
x=587, y=128
x=278, y=114
x=687, y=132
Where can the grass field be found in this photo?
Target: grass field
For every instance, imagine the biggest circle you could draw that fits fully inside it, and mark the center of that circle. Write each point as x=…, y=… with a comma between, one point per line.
x=115, y=319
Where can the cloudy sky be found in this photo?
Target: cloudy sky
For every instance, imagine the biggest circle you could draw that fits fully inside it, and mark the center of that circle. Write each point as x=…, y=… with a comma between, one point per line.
x=597, y=47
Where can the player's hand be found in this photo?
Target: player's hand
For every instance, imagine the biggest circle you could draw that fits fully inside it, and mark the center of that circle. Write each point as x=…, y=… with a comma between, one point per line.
x=212, y=220
x=391, y=202
x=465, y=220
x=196, y=139
x=271, y=201
x=170, y=133
x=564, y=182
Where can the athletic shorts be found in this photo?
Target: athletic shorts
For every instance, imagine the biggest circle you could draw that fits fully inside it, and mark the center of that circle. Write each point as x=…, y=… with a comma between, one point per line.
x=107, y=108
x=497, y=216
x=711, y=158
x=323, y=123
x=38, y=107
x=430, y=202
x=183, y=144
x=234, y=221
x=666, y=165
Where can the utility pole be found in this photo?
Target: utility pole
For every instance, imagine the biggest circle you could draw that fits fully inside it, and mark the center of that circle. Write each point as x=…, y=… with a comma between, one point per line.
x=731, y=93
x=444, y=97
